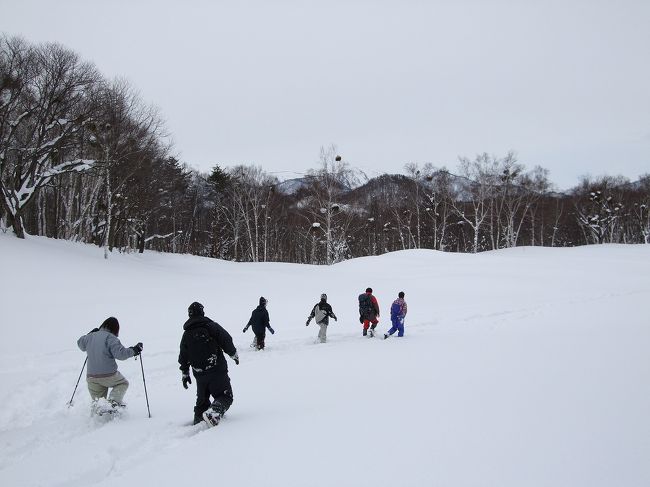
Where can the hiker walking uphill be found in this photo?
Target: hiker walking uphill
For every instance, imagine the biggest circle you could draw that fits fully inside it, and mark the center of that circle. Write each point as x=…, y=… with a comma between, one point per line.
x=368, y=312
x=102, y=347
x=397, y=315
x=202, y=347
x=260, y=322
x=322, y=312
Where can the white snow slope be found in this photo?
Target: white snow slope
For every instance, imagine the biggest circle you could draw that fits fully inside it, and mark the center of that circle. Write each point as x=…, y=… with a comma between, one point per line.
x=526, y=367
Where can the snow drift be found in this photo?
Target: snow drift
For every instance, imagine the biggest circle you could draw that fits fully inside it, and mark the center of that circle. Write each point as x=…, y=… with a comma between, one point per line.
x=520, y=367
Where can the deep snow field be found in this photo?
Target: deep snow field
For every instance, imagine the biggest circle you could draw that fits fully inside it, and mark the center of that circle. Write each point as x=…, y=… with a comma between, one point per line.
x=524, y=367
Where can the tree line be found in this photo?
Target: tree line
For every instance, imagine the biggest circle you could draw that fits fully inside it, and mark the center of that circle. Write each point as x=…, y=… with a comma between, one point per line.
x=84, y=158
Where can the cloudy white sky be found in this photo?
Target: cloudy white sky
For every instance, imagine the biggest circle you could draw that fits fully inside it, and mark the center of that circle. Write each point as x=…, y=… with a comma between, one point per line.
x=565, y=84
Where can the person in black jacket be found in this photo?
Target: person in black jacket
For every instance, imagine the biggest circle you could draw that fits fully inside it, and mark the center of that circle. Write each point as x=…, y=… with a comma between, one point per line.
x=322, y=311
x=260, y=322
x=202, y=347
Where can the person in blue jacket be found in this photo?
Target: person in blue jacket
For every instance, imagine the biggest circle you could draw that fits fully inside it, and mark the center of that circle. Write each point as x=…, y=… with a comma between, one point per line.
x=397, y=315
x=260, y=322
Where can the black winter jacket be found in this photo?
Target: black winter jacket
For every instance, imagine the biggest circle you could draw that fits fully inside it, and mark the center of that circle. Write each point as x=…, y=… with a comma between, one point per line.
x=219, y=341
x=259, y=320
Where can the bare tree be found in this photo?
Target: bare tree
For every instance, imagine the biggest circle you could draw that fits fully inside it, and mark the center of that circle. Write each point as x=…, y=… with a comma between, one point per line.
x=329, y=215
x=476, y=193
x=598, y=209
x=413, y=171
x=438, y=195
x=124, y=133
x=641, y=209
x=251, y=196
x=43, y=109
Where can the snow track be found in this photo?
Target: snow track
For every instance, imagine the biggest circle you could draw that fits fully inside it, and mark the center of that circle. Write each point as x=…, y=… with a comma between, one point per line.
x=521, y=367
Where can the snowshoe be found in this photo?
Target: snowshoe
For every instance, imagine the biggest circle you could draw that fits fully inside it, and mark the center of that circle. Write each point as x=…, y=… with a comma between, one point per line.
x=107, y=409
x=212, y=417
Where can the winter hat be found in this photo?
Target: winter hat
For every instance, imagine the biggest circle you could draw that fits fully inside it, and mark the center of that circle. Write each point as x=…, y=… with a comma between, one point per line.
x=401, y=295
x=195, y=309
x=323, y=297
x=111, y=325
x=368, y=289
x=263, y=301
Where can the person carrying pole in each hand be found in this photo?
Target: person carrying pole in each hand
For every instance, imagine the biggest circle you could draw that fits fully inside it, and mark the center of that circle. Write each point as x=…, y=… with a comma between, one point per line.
x=259, y=321
x=322, y=312
x=102, y=347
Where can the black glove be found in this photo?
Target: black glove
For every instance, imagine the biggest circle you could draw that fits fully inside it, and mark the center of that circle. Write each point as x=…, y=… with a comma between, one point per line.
x=137, y=349
x=360, y=319
x=272, y=331
x=235, y=357
x=334, y=316
x=186, y=379
x=93, y=330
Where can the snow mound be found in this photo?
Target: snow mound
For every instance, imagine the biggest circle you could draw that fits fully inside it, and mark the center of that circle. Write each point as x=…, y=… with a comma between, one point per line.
x=520, y=367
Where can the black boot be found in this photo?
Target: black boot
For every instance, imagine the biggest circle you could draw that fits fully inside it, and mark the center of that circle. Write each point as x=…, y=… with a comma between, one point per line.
x=365, y=332
x=198, y=419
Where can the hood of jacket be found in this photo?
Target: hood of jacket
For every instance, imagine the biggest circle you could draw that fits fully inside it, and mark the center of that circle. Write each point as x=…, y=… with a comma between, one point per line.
x=196, y=322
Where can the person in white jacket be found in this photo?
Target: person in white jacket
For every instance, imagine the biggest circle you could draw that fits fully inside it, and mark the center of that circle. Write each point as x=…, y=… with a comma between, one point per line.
x=322, y=312
x=102, y=347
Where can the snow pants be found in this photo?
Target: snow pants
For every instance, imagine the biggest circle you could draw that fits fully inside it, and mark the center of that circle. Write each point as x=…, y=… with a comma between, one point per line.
x=322, y=333
x=98, y=387
x=216, y=385
x=258, y=340
x=398, y=326
x=366, y=324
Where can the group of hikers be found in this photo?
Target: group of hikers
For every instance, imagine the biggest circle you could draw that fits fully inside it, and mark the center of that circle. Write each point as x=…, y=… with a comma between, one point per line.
x=202, y=348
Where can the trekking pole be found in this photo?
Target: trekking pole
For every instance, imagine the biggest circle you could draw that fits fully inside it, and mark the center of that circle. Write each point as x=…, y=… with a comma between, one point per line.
x=75, y=387
x=145, y=385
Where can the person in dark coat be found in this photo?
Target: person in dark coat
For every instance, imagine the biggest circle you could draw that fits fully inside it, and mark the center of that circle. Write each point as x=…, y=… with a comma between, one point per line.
x=202, y=347
x=322, y=311
x=259, y=322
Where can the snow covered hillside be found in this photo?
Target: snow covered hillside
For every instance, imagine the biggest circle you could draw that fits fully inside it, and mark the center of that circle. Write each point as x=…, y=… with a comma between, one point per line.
x=525, y=367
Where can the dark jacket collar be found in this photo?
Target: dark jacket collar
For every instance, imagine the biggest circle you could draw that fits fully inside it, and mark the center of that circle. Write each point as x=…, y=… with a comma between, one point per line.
x=196, y=322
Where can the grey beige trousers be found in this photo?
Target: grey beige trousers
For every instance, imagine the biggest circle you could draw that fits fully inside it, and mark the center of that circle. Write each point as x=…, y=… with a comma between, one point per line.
x=98, y=387
x=322, y=333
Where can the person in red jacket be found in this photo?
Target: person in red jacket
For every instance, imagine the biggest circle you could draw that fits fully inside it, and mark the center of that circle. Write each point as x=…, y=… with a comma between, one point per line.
x=368, y=312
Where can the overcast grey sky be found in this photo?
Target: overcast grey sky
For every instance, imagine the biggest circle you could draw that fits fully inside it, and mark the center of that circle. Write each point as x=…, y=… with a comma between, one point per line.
x=566, y=84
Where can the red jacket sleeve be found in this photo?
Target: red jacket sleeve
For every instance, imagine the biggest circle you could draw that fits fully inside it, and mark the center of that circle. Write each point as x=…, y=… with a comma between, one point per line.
x=375, y=303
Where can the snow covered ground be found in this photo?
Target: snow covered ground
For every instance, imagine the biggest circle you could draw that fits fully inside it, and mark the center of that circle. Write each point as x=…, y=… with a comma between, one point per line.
x=525, y=367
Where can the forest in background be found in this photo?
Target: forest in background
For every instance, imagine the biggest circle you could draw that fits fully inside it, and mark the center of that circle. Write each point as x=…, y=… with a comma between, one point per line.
x=83, y=158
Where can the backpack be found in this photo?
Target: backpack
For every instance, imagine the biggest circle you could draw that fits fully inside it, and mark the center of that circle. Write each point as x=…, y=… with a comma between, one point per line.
x=319, y=314
x=201, y=349
x=365, y=305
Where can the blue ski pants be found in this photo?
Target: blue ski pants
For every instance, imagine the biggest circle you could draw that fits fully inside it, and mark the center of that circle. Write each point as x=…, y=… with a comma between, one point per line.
x=398, y=326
